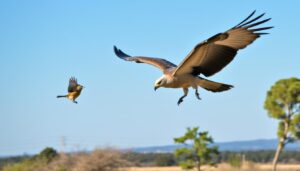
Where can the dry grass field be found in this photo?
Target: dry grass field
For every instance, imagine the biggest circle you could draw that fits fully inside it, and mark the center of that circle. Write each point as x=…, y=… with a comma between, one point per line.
x=226, y=167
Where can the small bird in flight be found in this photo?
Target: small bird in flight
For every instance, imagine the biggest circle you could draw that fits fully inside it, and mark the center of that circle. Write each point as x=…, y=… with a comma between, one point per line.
x=207, y=58
x=74, y=90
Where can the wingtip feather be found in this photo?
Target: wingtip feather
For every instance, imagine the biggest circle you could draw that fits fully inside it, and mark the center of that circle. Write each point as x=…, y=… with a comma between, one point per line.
x=247, y=18
x=120, y=53
x=116, y=50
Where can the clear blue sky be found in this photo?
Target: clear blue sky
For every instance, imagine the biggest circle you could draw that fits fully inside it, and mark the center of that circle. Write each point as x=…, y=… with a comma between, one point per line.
x=43, y=43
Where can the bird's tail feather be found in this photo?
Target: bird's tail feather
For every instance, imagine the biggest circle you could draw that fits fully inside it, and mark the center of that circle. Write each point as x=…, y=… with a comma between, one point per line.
x=61, y=96
x=213, y=86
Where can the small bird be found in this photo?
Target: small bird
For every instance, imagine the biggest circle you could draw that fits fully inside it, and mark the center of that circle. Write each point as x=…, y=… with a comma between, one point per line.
x=74, y=90
x=207, y=58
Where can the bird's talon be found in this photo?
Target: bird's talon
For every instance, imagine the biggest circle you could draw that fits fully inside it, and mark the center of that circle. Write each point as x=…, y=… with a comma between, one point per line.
x=198, y=96
x=179, y=101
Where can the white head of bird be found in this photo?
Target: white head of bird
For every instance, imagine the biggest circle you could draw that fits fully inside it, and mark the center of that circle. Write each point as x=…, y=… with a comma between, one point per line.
x=160, y=82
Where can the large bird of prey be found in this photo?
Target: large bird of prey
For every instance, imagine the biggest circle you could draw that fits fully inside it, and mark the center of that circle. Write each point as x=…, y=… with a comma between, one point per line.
x=207, y=58
x=74, y=90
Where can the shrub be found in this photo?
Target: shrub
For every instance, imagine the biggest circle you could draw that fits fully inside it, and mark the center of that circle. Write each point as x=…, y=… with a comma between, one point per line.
x=49, y=160
x=235, y=160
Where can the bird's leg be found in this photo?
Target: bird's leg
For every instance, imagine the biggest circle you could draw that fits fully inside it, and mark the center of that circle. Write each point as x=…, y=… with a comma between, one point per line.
x=74, y=101
x=185, y=90
x=197, y=93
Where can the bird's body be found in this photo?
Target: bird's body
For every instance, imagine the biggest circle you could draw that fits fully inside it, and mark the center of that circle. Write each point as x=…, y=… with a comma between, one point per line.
x=184, y=81
x=73, y=95
x=74, y=90
x=207, y=58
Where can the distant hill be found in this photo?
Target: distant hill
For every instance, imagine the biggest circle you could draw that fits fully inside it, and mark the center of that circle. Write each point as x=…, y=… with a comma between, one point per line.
x=251, y=145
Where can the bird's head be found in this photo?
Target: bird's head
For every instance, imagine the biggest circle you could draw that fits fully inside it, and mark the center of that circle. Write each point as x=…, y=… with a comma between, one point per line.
x=159, y=83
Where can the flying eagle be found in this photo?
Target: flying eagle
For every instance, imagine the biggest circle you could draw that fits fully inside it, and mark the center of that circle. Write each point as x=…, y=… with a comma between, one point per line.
x=207, y=58
x=74, y=90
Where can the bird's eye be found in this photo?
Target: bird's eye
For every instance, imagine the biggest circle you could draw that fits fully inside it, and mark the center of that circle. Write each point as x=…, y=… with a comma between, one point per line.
x=159, y=82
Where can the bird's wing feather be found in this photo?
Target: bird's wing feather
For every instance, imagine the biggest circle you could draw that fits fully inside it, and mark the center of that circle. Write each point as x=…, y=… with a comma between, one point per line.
x=72, y=84
x=212, y=55
x=213, y=86
x=162, y=64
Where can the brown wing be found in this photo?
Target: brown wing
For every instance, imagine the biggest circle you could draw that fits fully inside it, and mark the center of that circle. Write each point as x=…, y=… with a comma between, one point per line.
x=162, y=64
x=212, y=55
x=72, y=84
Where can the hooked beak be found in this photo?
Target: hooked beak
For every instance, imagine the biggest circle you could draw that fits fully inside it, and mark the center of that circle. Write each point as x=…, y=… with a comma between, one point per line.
x=155, y=88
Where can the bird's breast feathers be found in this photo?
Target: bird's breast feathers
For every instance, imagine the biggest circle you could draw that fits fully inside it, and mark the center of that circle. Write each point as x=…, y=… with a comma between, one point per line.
x=73, y=95
x=182, y=81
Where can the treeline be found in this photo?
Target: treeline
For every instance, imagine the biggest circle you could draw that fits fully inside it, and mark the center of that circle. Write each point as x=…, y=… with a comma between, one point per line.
x=138, y=159
x=264, y=156
x=168, y=159
x=150, y=159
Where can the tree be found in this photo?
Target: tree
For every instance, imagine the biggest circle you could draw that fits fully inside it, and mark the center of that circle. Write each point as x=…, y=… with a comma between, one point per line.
x=197, y=151
x=283, y=103
x=47, y=154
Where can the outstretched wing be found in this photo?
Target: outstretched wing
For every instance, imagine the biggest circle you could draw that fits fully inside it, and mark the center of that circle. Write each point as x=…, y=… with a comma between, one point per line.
x=212, y=55
x=72, y=84
x=162, y=64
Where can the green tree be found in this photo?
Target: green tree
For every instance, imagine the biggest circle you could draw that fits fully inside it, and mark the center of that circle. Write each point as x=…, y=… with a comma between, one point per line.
x=283, y=103
x=199, y=153
x=47, y=154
